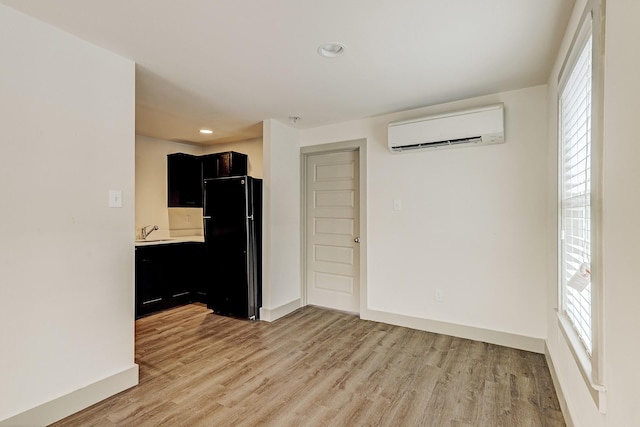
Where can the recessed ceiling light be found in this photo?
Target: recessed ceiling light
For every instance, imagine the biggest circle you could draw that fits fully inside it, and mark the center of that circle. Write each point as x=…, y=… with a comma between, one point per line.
x=331, y=50
x=206, y=131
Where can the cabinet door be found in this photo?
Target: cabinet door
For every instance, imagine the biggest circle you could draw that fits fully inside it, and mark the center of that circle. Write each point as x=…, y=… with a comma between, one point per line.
x=237, y=164
x=210, y=166
x=184, y=175
x=182, y=272
x=224, y=164
x=193, y=276
x=176, y=290
x=150, y=292
x=168, y=276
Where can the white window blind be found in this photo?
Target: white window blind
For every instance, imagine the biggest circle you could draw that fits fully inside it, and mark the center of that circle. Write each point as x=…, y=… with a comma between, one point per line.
x=575, y=180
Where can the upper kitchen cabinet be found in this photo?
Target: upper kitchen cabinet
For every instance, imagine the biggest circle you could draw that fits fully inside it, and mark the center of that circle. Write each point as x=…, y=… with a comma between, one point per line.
x=184, y=173
x=219, y=165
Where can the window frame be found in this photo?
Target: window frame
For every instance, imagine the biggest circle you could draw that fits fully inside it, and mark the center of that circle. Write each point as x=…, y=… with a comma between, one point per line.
x=591, y=366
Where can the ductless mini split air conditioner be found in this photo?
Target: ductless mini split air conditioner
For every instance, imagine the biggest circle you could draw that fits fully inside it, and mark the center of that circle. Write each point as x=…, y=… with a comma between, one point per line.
x=478, y=126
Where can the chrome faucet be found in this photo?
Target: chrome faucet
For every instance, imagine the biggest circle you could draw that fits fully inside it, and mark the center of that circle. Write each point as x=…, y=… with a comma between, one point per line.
x=146, y=233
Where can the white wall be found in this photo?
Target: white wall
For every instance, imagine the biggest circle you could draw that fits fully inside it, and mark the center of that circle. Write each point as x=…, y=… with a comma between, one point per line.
x=281, y=231
x=66, y=258
x=622, y=208
x=621, y=228
x=473, y=221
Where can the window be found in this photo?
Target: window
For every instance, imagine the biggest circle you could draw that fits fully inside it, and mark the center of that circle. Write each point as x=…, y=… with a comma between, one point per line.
x=580, y=112
x=575, y=204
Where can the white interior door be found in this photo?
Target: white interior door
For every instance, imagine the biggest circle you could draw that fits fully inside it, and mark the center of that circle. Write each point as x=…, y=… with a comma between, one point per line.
x=332, y=240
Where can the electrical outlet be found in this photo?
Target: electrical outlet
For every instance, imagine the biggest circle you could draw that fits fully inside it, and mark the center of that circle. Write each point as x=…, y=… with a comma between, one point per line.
x=397, y=205
x=439, y=295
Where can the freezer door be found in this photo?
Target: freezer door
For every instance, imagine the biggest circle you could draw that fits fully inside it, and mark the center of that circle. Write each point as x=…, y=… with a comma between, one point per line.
x=225, y=199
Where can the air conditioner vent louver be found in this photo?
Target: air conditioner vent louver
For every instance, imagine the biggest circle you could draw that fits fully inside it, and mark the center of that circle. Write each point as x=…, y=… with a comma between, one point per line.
x=469, y=127
x=471, y=140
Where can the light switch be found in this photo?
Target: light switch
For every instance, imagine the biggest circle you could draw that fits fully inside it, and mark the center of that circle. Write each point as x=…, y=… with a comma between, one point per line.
x=397, y=205
x=115, y=198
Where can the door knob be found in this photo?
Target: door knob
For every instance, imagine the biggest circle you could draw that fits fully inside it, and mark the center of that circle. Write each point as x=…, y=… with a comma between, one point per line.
x=357, y=240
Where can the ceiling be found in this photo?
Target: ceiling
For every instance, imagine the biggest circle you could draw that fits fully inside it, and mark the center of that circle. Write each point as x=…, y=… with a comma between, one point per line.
x=229, y=64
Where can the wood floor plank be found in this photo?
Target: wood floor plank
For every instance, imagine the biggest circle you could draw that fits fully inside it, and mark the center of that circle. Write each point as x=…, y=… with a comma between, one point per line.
x=318, y=367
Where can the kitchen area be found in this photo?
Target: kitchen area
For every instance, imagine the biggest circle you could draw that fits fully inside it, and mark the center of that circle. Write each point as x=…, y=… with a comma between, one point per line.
x=198, y=241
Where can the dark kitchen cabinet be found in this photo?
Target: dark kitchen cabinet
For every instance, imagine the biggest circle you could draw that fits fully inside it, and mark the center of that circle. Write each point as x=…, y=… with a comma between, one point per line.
x=177, y=269
x=184, y=176
x=195, y=276
x=150, y=292
x=223, y=164
x=168, y=275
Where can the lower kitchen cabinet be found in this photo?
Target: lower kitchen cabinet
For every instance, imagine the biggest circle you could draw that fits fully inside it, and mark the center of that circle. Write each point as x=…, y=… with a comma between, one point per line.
x=150, y=293
x=198, y=289
x=168, y=275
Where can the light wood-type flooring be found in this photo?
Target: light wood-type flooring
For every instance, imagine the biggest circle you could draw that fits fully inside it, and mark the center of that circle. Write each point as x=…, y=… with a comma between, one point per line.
x=317, y=367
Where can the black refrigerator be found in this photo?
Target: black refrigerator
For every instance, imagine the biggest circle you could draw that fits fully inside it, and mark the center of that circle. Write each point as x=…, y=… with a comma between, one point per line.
x=233, y=237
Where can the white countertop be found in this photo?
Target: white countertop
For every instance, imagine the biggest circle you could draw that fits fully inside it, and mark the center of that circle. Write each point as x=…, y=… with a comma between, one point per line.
x=169, y=240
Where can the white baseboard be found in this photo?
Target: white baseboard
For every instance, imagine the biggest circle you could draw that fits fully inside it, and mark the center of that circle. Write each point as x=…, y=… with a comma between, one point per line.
x=536, y=345
x=62, y=407
x=271, y=314
x=556, y=385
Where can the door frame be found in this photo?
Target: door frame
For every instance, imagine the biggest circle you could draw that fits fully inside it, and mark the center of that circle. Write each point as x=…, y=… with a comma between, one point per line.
x=359, y=145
